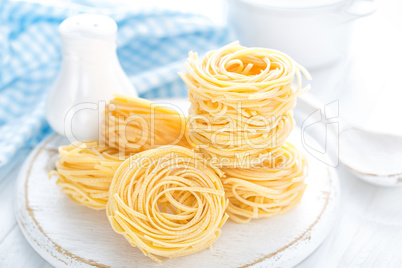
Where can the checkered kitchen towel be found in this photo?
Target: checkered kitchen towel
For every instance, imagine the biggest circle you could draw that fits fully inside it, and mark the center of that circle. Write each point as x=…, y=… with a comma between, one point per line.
x=152, y=46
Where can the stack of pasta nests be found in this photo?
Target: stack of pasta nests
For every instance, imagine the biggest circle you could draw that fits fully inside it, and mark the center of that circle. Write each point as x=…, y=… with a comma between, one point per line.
x=240, y=117
x=165, y=180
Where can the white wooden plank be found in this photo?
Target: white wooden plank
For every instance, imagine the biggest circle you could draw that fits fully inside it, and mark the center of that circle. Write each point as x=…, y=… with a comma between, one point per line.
x=368, y=231
x=16, y=252
x=8, y=178
x=6, y=209
x=15, y=163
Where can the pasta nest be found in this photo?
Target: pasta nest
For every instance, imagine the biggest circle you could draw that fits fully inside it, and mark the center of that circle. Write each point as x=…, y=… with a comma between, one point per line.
x=267, y=190
x=133, y=125
x=167, y=202
x=85, y=171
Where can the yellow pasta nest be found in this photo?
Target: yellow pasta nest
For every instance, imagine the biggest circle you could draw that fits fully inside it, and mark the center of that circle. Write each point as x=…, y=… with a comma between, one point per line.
x=133, y=125
x=238, y=147
x=241, y=102
x=85, y=172
x=167, y=203
x=267, y=190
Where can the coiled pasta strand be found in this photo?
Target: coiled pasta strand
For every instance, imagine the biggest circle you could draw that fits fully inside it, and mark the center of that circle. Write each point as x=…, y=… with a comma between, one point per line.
x=133, y=125
x=267, y=190
x=167, y=203
x=85, y=172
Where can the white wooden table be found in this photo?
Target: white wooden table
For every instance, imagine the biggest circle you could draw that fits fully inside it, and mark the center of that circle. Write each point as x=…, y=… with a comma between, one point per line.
x=368, y=232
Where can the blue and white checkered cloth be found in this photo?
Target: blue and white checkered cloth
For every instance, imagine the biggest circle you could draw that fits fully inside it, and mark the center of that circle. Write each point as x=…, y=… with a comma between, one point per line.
x=151, y=45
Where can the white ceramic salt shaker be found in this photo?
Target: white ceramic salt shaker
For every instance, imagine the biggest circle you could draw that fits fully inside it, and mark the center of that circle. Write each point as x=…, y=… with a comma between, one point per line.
x=90, y=75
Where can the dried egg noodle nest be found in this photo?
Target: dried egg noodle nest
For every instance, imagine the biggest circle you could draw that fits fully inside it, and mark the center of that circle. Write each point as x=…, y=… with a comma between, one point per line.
x=133, y=125
x=85, y=172
x=266, y=191
x=242, y=100
x=167, y=203
x=238, y=148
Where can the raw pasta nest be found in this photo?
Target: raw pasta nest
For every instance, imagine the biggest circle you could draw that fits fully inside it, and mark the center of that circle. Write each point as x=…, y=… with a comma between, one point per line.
x=133, y=125
x=85, y=171
x=167, y=203
x=267, y=190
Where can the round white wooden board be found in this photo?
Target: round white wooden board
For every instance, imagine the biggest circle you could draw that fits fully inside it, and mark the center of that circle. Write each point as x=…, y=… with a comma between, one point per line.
x=66, y=234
